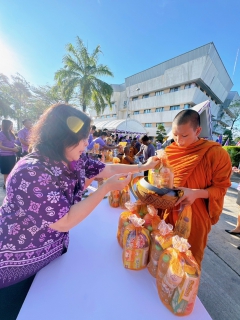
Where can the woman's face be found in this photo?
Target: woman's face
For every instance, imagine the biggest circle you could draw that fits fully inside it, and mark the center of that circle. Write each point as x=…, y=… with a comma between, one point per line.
x=73, y=153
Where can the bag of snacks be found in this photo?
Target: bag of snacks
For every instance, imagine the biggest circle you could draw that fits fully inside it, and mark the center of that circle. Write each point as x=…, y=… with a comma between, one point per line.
x=160, y=240
x=162, y=176
x=125, y=197
x=136, y=242
x=184, y=223
x=152, y=219
x=124, y=220
x=114, y=198
x=141, y=208
x=178, y=277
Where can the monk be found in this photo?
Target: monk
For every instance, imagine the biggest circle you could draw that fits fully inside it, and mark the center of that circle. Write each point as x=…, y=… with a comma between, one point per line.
x=127, y=159
x=202, y=170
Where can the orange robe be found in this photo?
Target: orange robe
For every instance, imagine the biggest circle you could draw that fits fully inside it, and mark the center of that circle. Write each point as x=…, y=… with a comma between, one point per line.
x=132, y=152
x=125, y=160
x=202, y=165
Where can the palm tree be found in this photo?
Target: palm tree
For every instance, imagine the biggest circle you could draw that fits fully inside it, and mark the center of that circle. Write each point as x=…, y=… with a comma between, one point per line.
x=80, y=76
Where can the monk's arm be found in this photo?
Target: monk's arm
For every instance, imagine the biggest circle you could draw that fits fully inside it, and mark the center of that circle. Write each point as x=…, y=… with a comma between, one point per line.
x=220, y=182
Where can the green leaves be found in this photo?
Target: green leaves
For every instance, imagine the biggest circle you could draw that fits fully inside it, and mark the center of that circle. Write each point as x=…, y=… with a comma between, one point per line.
x=80, y=77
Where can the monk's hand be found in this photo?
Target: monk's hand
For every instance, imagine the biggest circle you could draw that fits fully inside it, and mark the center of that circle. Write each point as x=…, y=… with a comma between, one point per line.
x=189, y=196
x=151, y=163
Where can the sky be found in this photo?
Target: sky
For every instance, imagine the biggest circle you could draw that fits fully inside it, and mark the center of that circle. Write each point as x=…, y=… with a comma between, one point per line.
x=133, y=35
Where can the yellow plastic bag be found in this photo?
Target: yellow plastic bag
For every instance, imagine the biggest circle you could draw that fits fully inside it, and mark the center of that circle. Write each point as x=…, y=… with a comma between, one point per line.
x=136, y=242
x=160, y=240
x=124, y=197
x=124, y=220
x=152, y=219
x=114, y=198
x=178, y=277
x=184, y=223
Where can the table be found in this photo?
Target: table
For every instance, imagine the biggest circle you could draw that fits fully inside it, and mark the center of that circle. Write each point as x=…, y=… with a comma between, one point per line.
x=89, y=282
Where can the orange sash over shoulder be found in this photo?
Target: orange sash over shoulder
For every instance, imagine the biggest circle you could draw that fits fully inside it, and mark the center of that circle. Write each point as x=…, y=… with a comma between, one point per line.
x=202, y=165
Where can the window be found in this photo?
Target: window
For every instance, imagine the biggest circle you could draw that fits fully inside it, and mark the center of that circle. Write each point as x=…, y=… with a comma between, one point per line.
x=125, y=103
x=159, y=109
x=108, y=116
x=136, y=112
x=187, y=106
x=174, y=89
x=159, y=123
x=128, y=115
x=147, y=111
x=148, y=125
x=103, y=117
x=174, y=107
x=190, y=85
x=159, y=93
x=145, y=96
x=134, y=98
x=114, y=115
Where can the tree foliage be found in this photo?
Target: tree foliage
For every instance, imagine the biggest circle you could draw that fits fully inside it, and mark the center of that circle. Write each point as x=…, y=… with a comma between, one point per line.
x=80, y=77
x=161, y=133
x=235, y=109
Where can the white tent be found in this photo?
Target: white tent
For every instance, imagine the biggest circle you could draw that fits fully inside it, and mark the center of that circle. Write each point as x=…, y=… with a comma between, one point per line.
x=204, y=111
x=129, y=126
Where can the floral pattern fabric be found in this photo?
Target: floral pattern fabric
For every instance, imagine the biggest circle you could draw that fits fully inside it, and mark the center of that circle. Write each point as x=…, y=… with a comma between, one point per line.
x=39, y=192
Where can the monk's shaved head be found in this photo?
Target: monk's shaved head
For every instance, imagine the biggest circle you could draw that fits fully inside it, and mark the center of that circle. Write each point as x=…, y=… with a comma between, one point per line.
x=187, y=116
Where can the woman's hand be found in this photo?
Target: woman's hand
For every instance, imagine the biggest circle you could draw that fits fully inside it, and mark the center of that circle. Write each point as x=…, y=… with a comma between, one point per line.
x=117, y=182
x=151, y=163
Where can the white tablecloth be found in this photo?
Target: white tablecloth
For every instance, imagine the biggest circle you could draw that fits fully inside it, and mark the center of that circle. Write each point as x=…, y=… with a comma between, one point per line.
x=89, y=282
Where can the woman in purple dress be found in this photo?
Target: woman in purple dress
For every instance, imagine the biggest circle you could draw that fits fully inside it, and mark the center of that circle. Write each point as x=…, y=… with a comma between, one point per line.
x=44, y=193
x=7, y=149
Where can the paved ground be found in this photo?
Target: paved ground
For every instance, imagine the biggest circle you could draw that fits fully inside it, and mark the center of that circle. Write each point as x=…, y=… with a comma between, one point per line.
x=220, y=281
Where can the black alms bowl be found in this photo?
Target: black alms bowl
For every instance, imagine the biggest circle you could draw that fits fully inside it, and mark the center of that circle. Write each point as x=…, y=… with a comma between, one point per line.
x=160, y=198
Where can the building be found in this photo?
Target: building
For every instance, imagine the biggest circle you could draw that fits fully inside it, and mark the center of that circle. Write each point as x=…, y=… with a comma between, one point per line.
x=156, y=95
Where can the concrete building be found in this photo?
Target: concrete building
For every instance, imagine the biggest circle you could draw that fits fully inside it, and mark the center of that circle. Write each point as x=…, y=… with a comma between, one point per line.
x=224, y=116
x=156, y=95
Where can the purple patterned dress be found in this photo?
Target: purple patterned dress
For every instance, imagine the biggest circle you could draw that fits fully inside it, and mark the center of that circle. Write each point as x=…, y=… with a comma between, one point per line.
x=39, y=192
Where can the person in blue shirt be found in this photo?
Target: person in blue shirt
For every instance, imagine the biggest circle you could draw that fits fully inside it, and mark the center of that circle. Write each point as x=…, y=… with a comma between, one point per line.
x=101, y=142
x=92, y=130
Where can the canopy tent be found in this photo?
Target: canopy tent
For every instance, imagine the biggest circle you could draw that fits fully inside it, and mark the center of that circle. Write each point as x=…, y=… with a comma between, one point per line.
x=204, y=111
x=131, y=126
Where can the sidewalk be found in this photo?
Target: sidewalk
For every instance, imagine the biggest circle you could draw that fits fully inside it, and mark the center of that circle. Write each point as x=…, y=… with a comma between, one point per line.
x=220, y=280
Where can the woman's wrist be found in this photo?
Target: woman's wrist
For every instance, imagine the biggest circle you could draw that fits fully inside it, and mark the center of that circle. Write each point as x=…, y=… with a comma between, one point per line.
x=145, y=166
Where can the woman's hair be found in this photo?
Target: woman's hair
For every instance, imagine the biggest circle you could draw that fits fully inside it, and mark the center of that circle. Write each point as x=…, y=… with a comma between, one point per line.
x=6, y=125
x=51, y=135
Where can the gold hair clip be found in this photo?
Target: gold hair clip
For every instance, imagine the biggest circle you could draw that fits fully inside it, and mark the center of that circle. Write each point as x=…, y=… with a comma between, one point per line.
x=74, y=124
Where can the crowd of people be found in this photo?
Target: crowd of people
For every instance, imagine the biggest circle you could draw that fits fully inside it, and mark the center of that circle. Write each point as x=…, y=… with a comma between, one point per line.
x=129, y=149
x=12, y=146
